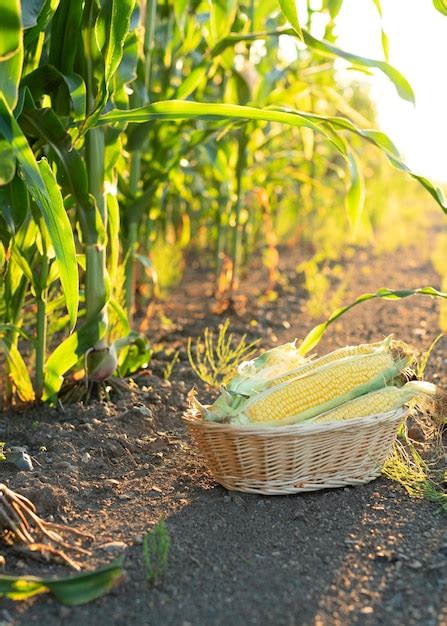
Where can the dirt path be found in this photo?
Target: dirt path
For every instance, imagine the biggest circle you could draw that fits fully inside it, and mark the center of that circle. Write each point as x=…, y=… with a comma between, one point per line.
x=364, y=555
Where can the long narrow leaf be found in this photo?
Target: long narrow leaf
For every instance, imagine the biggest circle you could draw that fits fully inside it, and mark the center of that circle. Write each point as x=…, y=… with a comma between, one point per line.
x=42, y=185
x=18, y=371
x=288, y=7
x=45, y=124
x=117, y=30
x=10, y=72
x=441, y=6
x=72, y=590
x=31, y=10
x=10, y=27
x=314, y=336
x=326, y=49
x=178, y=109
x=47, y=79
x=7, y=170
x=112, y=28
x=48, y=10
x=181, y=109
x=385, y=42
x=67, y=354
x=191, y=82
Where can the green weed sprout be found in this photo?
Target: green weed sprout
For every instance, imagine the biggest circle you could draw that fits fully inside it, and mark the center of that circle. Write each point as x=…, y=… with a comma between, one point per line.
x=167, y=372
x=156, y=544
x=216, y=359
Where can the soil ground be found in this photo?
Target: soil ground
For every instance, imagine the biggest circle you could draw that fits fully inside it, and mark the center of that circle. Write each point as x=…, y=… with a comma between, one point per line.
x=364, y=555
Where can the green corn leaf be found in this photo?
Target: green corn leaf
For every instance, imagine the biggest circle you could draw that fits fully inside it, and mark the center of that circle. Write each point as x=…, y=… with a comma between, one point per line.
x=179, y=109
x=127, y=69
x=384, y=143
x=61, y=236
x=112, y=28
x=328, y=50
x=181, y=12
x=7, y=164
x=44, y=123
x=71, y=591
x=134, y=352
x=334, y=7
x=314, y=336
x=18, y=371
x=22, y=262
x=47, y=79
x=67, y=354
x=191, y=82
x=43, y=19
x=385, y=45
x=385, y=42
x=222, y=16
x=64, y=39
x=113, y=225
x=441, y=6
x=84, y=588
x=14, y=203
x=10, y=29
x=78, y=95
x=378, y=6
x=21, y=587
x=10, y=73
x=118, y=22
x=31, y=9
x=288, y=7
x=42, y=185
x=7, y=328
x=121, y=316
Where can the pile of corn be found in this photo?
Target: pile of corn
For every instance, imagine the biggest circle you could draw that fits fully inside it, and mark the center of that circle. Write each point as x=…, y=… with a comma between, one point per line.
x=281, y=387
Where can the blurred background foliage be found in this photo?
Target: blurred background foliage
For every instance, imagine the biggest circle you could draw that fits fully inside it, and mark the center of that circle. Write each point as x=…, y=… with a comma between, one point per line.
x=101, y=210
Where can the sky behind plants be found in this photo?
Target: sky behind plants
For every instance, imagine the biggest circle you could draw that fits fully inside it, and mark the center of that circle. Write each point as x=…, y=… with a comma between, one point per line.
x=418, y=48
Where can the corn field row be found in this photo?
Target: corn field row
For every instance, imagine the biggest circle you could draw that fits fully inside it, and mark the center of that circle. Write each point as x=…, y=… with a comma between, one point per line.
x=132, y=132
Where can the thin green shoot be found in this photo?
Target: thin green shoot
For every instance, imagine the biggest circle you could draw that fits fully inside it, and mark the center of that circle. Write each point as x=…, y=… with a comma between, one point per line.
x=215, y=359
x=426, y=356
x=167, y=372
x=156, y=545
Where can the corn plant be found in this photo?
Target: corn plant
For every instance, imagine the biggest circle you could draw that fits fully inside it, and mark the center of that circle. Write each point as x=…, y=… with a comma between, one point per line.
x=114, y=115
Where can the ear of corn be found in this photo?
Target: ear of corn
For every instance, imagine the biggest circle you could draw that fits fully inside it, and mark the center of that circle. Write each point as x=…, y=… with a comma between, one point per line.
x=285, y=363
x=381, y=401
x=335, y=355
x=322, y=389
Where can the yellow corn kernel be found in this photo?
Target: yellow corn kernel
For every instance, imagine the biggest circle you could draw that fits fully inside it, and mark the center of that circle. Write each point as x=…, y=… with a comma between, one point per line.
x=335, y=355
x=318, y=387
x=380, y=401
x=424, y=394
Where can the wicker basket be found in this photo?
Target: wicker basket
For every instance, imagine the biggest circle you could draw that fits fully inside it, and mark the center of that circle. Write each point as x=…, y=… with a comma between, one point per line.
x=302, y=457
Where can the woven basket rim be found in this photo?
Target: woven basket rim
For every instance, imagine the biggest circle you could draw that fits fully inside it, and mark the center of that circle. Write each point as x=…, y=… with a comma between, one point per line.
x=192, y=417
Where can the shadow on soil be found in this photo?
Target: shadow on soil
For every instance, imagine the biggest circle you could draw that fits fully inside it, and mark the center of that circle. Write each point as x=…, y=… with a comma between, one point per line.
x=348, y=556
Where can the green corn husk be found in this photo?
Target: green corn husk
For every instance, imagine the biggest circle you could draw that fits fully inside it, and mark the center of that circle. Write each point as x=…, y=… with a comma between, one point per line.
x=273, y=366
x=253, y=375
